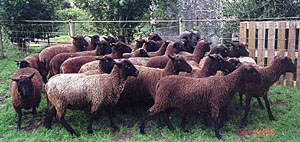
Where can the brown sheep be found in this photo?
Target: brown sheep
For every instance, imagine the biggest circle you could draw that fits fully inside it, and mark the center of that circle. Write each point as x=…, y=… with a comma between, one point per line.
x=73, y=65
x=93, y=43
x=136, y=53
x=161, y=50
x=57, y=60
x=25, y=88
x=201, y=48
x=211, y=94
x=30, y=61
x=154, y=37
x=139, y=44
x=86, y=91
x=79, y=44
x=105, y=65
x=270, y=75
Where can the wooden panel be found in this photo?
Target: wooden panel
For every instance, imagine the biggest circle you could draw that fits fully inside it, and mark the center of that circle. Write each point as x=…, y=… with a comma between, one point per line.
x=291, y=51
x=261, y=43
x=298, y=61
x=271, y=42
x=243, y=32
x=281, y=44
x=251, y=45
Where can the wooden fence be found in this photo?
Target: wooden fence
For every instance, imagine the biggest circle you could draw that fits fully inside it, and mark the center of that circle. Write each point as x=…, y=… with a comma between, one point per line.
x=268, y=39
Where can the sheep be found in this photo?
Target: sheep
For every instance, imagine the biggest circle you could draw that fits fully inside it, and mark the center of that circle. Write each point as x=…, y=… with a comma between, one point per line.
x=154, y=36
x=142, y=88
x=238, y=49
x=105, y=65
x=161, y=61
x=211, y=94
x=73, y=65
x=136, y=53
x=103, y=48
x=161, y=50
x=152, y=46
x=222, y=50
x=139, y=44
x=48, y=53
x=190, y=39
x=30, y=61
x=93, y=43
x=270, y=74
x=81, y=91
x=25, y=87
x=201, y=48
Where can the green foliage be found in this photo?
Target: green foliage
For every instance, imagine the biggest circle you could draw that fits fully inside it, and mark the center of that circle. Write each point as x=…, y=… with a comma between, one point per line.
x=71, y=14
x=12, y=12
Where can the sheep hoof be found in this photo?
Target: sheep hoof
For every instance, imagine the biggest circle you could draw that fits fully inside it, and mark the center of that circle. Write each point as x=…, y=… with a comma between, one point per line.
x=186, y=131
x=218, y=136
x=142, y=131
x=90, y=131
x=115, y=128
x=75, y=134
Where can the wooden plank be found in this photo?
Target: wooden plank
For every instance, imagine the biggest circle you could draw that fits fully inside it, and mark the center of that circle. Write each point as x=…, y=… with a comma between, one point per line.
x=261, y=43
x=251, y=44
x=271, y=42
x=298, y=60
x=291, y=51
x=243, y=32
x=281, y=44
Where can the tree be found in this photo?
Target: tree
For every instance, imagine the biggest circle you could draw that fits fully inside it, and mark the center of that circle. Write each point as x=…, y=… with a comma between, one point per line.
x=14, y=12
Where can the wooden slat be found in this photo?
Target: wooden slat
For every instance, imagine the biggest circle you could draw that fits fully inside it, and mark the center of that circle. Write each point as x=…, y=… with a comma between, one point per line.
x=298, y=61
x=251, y=45
x=291, y=51
x=261, y=43
x=271, y=42
x=243, y=32
x=281, y=44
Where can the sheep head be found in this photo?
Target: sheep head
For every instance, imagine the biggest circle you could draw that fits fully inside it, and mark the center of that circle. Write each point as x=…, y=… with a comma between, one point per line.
x=79, y=42
x=121, y=48
x=103, y=48
x=154, y=36
x=25, y=87
x=140, y=43
x=238, y=49
x=180, y=65
x=222, y=50
x=128, y=68
x=94, y=40
x=106, y=64
x=22, y=64
x=286, y=64
x=150, y=46
x=142, y=53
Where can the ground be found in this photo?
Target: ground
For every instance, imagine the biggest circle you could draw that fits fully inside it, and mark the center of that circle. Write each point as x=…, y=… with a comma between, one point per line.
x=284, y=100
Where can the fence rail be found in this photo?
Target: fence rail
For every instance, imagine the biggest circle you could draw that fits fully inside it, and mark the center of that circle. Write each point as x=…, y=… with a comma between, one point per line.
x=269, y=39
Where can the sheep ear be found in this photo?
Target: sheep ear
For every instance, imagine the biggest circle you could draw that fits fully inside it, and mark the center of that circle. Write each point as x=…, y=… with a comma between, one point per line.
x=172, y=58
x=101, y=59
x=90, y=36
x=14, y=79
x=31, y=76
x=210, y=56
x=209, y=43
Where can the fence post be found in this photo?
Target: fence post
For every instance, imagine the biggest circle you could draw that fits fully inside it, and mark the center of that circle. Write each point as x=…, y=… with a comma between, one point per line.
x=71, y=28
x=181, y=26
x=1, y=45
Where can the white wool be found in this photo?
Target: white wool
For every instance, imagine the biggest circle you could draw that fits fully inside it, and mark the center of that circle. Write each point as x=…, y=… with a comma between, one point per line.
x=247, y=60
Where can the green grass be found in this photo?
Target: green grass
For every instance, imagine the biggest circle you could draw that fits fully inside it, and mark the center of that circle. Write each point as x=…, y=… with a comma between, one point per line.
x=285, y=105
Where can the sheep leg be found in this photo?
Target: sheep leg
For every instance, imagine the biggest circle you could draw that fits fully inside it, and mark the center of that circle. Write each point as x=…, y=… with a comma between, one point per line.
x=241, y=98
x=146, y=118
x=224, y=117
x=48, y=119
x=90, y=128
x=247, y=108
x=261, y=105
x=271, y=117
x=206, y=120
x=34, y=111
x=183, y=122
x=166, y=116
x=67, y=126
x=159, y=122
x=110, y=114
x=19, y=118
x=216, y=125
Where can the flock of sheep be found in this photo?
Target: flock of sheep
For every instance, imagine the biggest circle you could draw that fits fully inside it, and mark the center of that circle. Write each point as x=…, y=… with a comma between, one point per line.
x=186, y=75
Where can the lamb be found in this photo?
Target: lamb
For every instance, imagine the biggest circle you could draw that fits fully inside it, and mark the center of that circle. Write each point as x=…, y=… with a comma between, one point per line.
x=48, y=53
x=81, y=91
x=142, y=88
x=73, y=65
x=103, y=48
x=161, y=61
x=93, y=43
x=270, y=74
x=154, y=36
x=25, y=87
x=136, y=53
x=211, y=94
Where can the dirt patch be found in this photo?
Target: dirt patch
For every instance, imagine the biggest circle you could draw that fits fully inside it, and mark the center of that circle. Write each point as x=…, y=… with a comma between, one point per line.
x=3, y=97
x=34, y=123
x=256, y=132
x=125, y=135
x=279, y=103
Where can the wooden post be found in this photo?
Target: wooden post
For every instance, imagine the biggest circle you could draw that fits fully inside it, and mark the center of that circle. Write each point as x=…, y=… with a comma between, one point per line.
x=181, y=26
x=291, y=51
x=298, y=62
x=243, y=32
x=261, y=44
x=271, y=42
x=1, y=45
x=281, y=44
x=251, y=45
x=71, y=28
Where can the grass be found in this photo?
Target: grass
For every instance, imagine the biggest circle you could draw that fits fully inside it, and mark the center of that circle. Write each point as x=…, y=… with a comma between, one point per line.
x=284, y=100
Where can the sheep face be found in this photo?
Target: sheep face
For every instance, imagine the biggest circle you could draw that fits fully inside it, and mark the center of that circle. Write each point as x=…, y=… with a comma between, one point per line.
x=128, y=68
x=251, y=75
x=25, y=87
x=288, y=65
x=177, y=47
x=154, y=37
x=143, y=53
x=106, y=64
x=222, y=50
x=22, y=64
x=103, y=48
x=110, y=39
x=235, y=63
x=121, y=38
x=206, y=46
x=94, y=40
x=122, y=47
x=180, y=65
x=220, y=63
x=80, y=42
x=151, y=46
x=238, y=49
x=140, y=43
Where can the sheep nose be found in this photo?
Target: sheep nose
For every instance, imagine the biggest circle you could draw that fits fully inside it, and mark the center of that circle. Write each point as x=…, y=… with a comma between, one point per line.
x=136, y=73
